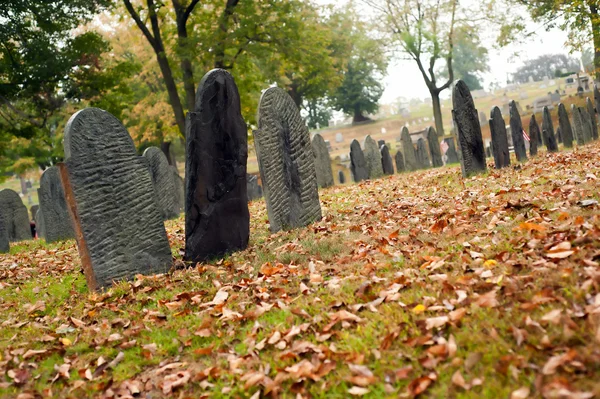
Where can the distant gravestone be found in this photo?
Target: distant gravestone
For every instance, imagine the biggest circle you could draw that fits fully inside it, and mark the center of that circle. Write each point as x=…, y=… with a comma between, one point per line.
x=565, y=126
x=253, y=188
x=162, y=180
x=386, y=160
x=422, y=154
x=33, y=210
x=587, y=125
x=499, y=139
x=109, y=192
x=408, y=149
x=339, y=137
x=322, y=162
x=179, y=193
x=380, y=143
x=4, y=241
x=399, y=162
x=593, y=120
x=468, y=131
x=55, y=221
x=434, y=148
x=217, y=220
x=516, y=129
x=373, y=158
x=358, y=163
x=451, y=153
x=286, y=162
x=550, y=141
x=15, y=215
x=559, y=137
x=341, y=177
x=548, y=126
x=577, y=125
x=534, y=134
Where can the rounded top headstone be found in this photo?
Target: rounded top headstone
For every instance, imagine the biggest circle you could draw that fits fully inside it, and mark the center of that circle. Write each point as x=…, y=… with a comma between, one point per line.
x=10, y=196
x=461, y=95
x=211, y=85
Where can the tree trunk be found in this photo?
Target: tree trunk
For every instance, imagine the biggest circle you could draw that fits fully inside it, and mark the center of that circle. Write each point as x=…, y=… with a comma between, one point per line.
x=594, y=17
x=165, y=147
x=437, y=112
x=186, y=66
x=222, y=33
x=163, y=63
x=358, y=116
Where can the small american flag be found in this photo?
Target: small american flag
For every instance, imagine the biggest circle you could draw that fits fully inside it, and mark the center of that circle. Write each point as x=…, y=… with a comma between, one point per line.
x=525, y=136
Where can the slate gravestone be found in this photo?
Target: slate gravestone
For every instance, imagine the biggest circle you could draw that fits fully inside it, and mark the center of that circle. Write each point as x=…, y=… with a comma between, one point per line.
x=286, y=162
x=162, y=180
x=565, y=126
x=451, y=153
x=254, y=189
x=434, y=148
x=499, y=139
x=408, y=150
x=217, y=220
x=33, y=210
x=179, y=194
x=587, y=125
x=380, y=143
x=399, y=159
x=516, y=130
x=358, y=163
x=386, y=161
x=593, y=120
x=15, y=215
x=322, y=162
x=468, y=131
x=55, y=221
x=40, y=229
x=577, y=125
x=547, y=125
x=550, y=141
x=118, y=225
x=559, y=137
x=4, y=241
x=341, y=177
x=373, y=158
x=422, y=154
x=339, y=137
x=534, y=134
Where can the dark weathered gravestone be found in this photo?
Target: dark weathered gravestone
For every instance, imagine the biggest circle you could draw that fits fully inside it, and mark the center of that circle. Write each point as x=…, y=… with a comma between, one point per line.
x=286, y=162
x=587, y=125
x=341, y=177
x=597, y=98
x=565, y=126
x=399, y=162
x=118, y=225
x=179, y=193
x=408, y=150
x=386, y=160
x=577, y=125
x=217, y=220
x=550, y=141
x=547, y=125
x=499, y=139
x=33, y=210
x=534, y=134
x=422, y=154
x=373, y=158
x=4, y=241
x=54, y=219
x=594, y=122
x=380, y=143
x=559, y=137
x=358, y=164
x=468, y=131
x=516, y=130
x=451, y=153
x=15, y=215
x=322, y=162
x=162, y=179
x=434, y=148
x=254, y=189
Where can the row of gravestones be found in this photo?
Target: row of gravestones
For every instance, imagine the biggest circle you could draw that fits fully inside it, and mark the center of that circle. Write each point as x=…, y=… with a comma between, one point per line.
x=470, y=140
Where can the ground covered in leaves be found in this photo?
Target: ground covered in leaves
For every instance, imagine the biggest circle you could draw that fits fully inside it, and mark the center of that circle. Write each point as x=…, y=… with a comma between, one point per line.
x=415, y=284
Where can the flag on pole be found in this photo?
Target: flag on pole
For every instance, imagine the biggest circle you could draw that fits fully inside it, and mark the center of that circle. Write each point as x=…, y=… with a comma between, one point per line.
x=525, y=136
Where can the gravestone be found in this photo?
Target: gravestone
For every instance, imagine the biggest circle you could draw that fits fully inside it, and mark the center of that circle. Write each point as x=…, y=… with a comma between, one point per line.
x=550, y=141
x=358, y=163
x=499, y=139
x=577, y=125
x=217, y=220
x=593, y=120
x=548, y=126
x=341, y=177
x=597, y=101
x=40, y=229
x=4, y=241
x=373, y=158
x=179, y=193
x=534, y=134
x=587, y=125
x=33, y=210
x=516, y=130
x=118, y=225
x=399, y=162
x=565, y=126
x=434, y=148
x=254, y=189
x=386, y=161
x=451, y=153
x=162, y=180
x=422, y=154
x=339, y=137
x=55, y=221
x=15, y=215
x=408, y=150
x=380, y=143
x=286, y=162
x=468, y=131
x=322, y=162
x=559, y=137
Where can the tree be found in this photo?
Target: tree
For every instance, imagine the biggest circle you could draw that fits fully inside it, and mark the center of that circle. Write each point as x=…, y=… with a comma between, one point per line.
x=470, y=58
x=545, y=65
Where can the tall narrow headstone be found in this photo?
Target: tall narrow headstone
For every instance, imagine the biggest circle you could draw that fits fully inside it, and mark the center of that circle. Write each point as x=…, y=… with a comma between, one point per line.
x=516, y=130
x=548, y=126
x=422, y=154
x=15, y=215
x=286, y=162
x=593, y=121
x=358, y=164
x=373, y=158
x=499, y=139
x=577, y=125
x=55, y=221
x=434, y=148
x=587, y=125
x=322, y=162
x=162, y=179
x=118, y=225
x=341, y=177
x=399, y=162
x=217, y=220
x=451, y=153
x=386, y=160
x=253, y=188
x=534, y=134
x=4, y=241
x=559, y=137
x=33, y=210
x=565, y=126
x=179, y=193
x=550, y=141
x=468, y=131
x=408, y=149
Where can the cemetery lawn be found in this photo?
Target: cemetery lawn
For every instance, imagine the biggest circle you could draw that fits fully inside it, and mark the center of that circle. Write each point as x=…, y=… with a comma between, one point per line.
x=415, y=284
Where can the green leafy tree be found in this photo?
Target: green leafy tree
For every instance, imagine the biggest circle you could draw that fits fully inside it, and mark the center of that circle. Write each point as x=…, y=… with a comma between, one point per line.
x=470, y=58
x=549, y=65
